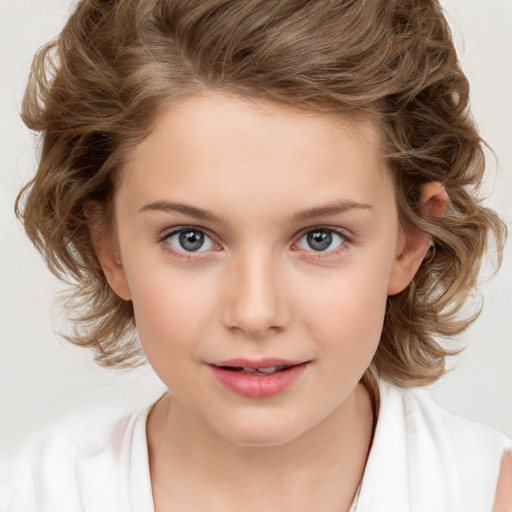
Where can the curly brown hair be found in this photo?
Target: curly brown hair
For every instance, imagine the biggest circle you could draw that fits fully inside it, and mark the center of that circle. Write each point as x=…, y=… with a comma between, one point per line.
x=95, y=91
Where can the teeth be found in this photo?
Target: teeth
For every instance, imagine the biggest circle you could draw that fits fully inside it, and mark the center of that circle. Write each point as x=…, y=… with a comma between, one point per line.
x=269, y=369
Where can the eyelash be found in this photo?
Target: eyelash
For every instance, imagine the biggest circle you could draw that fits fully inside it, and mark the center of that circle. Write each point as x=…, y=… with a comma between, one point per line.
x=346, y=241
x=333, y=253
x=183, y=254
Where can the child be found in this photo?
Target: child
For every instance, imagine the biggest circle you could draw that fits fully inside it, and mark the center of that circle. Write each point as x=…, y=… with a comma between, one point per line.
x=278, y=199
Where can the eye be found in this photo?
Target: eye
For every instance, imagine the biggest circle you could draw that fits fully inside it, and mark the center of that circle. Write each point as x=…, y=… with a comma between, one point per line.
x=189, y=240
x=321, y=240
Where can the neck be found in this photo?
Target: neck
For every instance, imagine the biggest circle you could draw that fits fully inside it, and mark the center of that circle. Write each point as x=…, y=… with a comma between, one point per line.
x=324, y=464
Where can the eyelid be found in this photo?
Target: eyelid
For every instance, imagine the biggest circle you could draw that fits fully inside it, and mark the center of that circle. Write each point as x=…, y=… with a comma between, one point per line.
x=339, y=231
x=185, y=227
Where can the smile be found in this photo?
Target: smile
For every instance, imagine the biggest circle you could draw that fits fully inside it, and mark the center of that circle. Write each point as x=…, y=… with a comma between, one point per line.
x=257, y=379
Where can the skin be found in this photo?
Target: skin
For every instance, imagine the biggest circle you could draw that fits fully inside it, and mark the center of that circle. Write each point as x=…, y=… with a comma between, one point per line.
x=503, y=502
x=257, y=289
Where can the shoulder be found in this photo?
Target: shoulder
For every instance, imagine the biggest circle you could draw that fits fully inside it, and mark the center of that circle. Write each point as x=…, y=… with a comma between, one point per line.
x=420, y=408
x=84, y=457
x=83, y=435
x=468, y=455
x=476, y=445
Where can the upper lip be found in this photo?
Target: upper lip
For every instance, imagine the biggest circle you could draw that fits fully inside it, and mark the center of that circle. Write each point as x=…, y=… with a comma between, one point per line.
x=265, y=362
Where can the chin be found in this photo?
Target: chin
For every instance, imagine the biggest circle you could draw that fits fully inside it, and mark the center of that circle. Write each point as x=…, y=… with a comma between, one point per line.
x=259, y=434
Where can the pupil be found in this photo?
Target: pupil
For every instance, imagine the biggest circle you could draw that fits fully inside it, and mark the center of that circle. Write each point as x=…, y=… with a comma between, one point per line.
x=319, y=240
x=191, y=240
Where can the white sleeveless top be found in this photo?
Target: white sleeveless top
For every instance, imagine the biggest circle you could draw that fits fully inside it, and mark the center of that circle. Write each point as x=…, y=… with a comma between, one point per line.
x=422, y=460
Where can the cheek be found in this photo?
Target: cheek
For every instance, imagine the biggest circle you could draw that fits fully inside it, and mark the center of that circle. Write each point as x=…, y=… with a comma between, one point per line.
x=172, y=318
x=171, y=311
x=348, y=312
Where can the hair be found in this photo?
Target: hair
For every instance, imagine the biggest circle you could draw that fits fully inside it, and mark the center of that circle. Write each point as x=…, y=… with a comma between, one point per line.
x=95, y=91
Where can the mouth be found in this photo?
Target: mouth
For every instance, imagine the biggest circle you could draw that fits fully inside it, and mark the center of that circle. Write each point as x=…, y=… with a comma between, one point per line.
x=266, y=370
x=264, y=366
x=258, y=379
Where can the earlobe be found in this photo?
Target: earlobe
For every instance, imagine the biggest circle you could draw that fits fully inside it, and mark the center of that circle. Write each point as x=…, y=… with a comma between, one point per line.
x=109, y=257
x=413, y=243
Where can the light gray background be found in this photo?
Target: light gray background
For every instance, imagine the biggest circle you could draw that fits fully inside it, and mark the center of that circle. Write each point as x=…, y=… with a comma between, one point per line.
x=42, y=377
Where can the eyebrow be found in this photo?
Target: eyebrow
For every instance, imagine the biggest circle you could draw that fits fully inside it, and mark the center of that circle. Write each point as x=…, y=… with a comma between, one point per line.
x=185, y=209
x=327, y=210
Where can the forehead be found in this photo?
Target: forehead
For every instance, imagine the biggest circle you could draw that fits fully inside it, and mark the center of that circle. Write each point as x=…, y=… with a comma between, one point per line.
x=221, y=150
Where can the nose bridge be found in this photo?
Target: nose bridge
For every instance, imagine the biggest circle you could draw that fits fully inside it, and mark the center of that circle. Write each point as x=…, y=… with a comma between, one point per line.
x=256, y=302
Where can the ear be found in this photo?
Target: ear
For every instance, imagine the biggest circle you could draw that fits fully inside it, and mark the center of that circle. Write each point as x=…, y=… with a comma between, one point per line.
x=107, y=251
x=413, y=244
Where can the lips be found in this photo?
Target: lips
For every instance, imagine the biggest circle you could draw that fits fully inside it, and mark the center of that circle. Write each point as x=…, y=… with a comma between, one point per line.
x=257, y=378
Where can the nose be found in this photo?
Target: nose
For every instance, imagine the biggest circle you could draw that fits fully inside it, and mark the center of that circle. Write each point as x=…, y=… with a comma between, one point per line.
x=255, y=301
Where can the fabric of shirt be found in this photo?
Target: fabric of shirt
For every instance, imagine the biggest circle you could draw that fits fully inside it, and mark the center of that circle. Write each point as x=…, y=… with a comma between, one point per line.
x=422, y=459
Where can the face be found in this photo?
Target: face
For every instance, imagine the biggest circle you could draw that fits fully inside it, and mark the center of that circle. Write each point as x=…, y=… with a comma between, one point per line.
x=258, y=244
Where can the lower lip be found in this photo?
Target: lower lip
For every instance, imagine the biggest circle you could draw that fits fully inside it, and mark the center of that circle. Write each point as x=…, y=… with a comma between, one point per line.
x=258, y=386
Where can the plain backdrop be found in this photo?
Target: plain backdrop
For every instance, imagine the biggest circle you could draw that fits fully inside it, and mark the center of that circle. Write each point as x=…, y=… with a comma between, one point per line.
x=43, y=378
